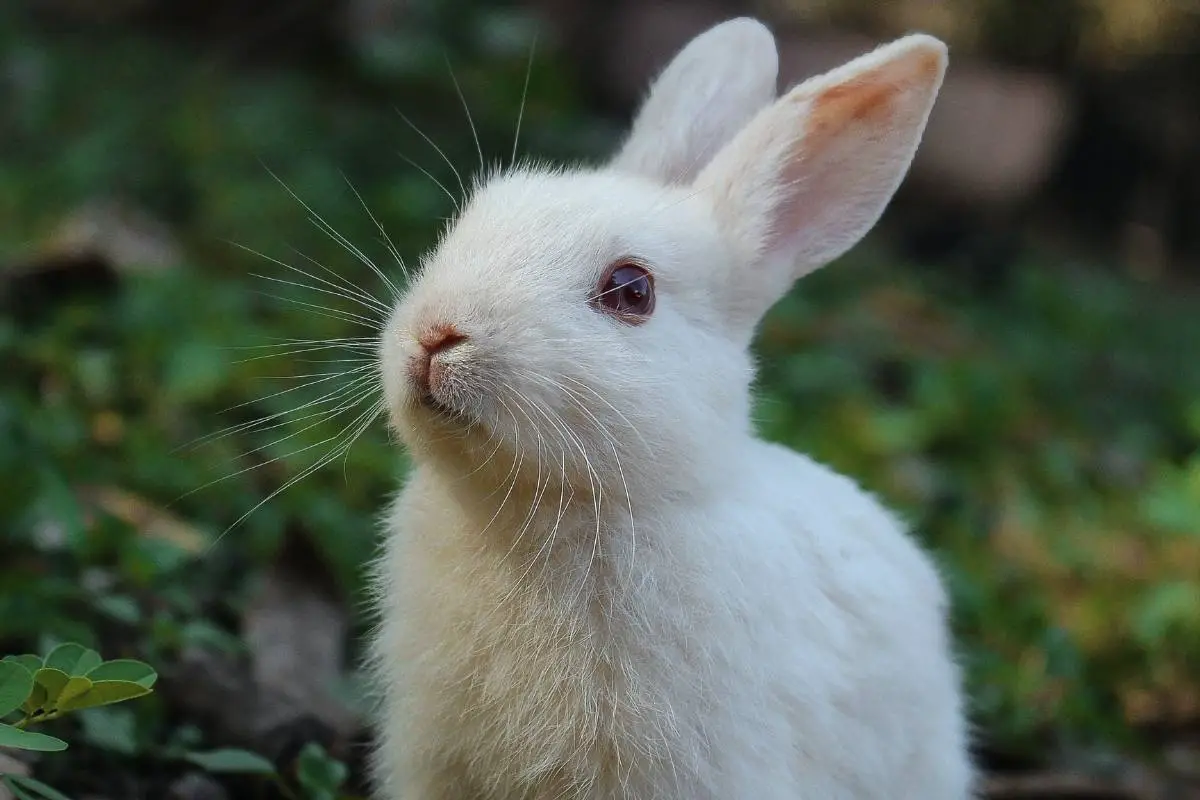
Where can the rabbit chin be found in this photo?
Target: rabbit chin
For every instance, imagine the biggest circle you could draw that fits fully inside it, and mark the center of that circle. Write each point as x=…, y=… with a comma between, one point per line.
x=442, y=422
x=484, y=448
x=461, y=430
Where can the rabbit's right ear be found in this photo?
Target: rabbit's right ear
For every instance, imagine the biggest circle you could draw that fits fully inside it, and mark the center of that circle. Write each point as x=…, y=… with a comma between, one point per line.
x=705, y=95
x=804, y=180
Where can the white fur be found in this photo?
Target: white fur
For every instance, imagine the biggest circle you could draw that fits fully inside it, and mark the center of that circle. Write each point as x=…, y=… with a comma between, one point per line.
x=713, y=86
x=597, y=582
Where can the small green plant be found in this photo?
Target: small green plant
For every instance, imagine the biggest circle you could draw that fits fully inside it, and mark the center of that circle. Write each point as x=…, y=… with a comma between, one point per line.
x=35, y=689
x=24, y=788
x=318, y=775
x=72, y=677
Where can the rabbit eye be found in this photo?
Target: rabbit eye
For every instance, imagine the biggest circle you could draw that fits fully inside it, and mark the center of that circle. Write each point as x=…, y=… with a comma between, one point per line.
x=627, y=292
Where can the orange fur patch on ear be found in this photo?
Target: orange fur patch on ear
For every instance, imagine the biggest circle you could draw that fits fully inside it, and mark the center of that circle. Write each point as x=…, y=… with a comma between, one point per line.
x=869, y=98
x=856, y=100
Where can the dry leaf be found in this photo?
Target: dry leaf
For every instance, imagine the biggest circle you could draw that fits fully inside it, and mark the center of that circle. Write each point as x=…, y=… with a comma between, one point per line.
x=150, y=520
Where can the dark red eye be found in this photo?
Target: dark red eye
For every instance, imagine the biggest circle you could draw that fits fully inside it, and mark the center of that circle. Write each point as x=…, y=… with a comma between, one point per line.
x=626, y=291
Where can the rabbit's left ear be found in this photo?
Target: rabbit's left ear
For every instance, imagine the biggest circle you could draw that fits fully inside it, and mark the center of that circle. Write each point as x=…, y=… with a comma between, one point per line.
x=704, y=96
x=811, y=174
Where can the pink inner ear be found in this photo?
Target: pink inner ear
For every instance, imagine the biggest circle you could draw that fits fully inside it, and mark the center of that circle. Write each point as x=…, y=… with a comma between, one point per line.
x=869, y=98
x=844, y=166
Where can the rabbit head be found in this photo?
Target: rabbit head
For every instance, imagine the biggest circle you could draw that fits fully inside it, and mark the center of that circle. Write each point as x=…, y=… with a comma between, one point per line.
x=595, y=324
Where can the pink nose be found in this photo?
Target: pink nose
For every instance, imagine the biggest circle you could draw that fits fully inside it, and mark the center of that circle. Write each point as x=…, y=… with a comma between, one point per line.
x=434, y=340
x=439, y=338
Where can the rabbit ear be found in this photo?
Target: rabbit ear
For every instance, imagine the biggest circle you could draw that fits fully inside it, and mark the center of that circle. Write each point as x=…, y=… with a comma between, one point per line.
x=809, y=176
x=703, y=97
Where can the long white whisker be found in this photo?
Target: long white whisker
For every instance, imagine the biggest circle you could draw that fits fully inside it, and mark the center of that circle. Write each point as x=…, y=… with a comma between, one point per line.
x=597, y=491
x=433, y=178
x=462, y=98
x=547, y=546
x=577, y=402
x=614, y=289
x=524, y=96
x=373, y=306
x=353, y=250
x=388, y=239
x=499, y=440
x=274, y=421
x=515, y=472
x=457, y=175
x=329, y=376
x=559, y=427
x=512, y=468
x=629, y=503
x=611, y=407
x=291, y=354
x=360, y=341
x=343, y=405
x=362, y=421
x=326, y=311
x=345, y=290
x=538, y=488
x=332, y=232
x=367, y=360
x=350, y=285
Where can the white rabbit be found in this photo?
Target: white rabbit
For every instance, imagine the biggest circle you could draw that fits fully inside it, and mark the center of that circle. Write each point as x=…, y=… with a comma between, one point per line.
x=598, y=583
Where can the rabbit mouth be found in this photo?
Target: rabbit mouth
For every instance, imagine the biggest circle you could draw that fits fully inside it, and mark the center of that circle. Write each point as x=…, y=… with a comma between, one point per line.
x=432, y=382
x=431, y=403
x=440, y=409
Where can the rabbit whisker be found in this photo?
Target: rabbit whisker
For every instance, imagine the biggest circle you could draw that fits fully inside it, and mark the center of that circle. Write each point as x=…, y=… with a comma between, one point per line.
x=432, y=177
x=252, y=424
x=614, y=289
x=349, y=284
x=320, y=223
x=457, y=175
x=391, y=246
x=524, y=97
x=537, y=493
x=274, y=421
x=370, y=342
x=330, y=376
x=611, y=407
x=364, y=362
x=498, y=390
x=471, y=122
x=576, y=399
x=325, y=311
x=343, y=287
x=356, y=427
x=514, y=474
x=356, y=349
x=597, y=492
x=564, y=503
x=548, y=545
x=492, y=436
x=347, y=292
x=345, y=405
x=353, y=291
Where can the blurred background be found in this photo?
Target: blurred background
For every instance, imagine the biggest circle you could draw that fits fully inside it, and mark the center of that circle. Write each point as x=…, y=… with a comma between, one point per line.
x=1011, y=358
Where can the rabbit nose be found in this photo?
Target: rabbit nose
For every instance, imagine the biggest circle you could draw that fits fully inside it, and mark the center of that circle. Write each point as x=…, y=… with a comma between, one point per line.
x=438, y=339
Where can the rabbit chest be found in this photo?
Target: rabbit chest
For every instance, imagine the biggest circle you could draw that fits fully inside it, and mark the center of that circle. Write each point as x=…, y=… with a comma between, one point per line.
x=524, y=679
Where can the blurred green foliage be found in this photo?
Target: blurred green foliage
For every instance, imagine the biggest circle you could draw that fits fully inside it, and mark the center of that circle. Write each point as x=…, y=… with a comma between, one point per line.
x=1044, y=440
